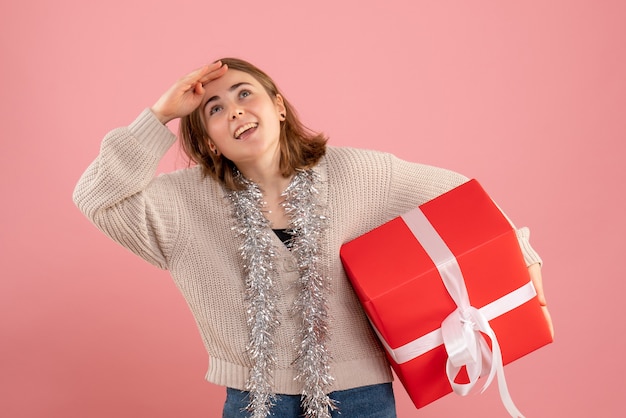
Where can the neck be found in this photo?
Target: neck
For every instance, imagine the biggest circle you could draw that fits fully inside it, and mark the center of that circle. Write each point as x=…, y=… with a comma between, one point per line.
x=272, y=185
x=268, y=177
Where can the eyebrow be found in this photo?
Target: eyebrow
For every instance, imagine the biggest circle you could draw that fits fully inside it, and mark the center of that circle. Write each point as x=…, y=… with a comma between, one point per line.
x=231, y=88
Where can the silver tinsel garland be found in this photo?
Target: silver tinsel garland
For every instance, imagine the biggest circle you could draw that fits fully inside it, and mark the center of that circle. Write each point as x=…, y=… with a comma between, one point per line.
x=306, y=225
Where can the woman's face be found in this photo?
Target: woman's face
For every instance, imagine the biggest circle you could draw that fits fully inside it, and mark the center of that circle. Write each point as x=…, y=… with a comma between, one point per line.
x=242, y=120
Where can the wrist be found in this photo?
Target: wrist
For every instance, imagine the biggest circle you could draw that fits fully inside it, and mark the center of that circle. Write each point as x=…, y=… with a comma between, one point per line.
x=160, y=116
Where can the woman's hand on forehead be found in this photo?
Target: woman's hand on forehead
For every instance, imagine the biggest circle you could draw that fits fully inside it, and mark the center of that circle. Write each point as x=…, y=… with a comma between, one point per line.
x=184, y=96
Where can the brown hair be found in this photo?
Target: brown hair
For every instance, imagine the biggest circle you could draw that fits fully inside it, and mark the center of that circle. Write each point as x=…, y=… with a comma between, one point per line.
x=300, y=148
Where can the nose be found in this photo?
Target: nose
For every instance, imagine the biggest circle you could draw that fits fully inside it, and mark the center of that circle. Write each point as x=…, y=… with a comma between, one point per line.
x=236, y=113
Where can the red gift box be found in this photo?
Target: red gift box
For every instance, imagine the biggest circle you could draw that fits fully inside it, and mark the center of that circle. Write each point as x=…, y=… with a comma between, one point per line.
x=454, y=260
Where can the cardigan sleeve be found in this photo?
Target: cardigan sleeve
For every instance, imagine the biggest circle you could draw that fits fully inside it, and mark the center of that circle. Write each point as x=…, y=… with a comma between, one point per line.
x=424, y=182
x=119, y=193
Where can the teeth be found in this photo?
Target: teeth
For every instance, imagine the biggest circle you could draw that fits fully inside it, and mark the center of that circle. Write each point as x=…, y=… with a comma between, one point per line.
x=244, y=128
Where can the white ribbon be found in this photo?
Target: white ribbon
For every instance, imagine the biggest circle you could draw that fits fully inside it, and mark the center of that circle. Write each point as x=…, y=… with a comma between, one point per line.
x=433, y=339
x=461, y=331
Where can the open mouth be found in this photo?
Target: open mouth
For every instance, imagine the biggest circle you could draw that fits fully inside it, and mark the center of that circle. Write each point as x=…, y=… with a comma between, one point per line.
x=245, y=129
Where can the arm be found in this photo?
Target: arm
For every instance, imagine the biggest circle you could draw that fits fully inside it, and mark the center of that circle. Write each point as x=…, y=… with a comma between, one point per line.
x=118, y=192
x=429, y=182
x=118, y=195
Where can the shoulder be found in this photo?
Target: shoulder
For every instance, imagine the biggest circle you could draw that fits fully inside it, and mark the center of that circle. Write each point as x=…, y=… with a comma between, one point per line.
x=402, y=178
x=353, y=171
x=347, y=158
x=185, y=182
x=381, y=161
x=342, y=153
x=180, y=175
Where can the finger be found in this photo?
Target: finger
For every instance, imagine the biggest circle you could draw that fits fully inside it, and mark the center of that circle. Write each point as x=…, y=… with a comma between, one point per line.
x=215, y=65
x=213, y=75
x=540, y=294
x=198, y=89
x=546, y=313
x=208, y=68
x=195, y=76
x=536, y=277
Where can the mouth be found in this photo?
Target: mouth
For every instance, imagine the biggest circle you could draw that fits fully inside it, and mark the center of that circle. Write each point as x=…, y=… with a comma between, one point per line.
x=244, y=130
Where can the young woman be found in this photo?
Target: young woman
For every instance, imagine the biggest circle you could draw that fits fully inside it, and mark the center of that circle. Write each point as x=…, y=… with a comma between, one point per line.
x=251, y=235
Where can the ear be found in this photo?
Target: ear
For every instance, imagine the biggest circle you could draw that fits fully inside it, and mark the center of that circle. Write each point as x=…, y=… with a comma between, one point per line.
x=213, y=148
x=280, y=106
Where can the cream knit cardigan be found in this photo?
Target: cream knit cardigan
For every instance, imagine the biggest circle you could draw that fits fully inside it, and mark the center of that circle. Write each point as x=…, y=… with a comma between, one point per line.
x=182, y=222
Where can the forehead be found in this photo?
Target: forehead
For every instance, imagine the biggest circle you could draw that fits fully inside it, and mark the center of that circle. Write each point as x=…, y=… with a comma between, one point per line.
x=222, y=85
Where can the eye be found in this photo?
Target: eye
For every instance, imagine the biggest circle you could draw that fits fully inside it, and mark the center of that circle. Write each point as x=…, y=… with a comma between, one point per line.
x=244, y=93
x=215, y=109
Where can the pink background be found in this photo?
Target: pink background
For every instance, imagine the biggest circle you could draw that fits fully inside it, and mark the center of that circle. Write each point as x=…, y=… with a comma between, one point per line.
x=528, y=97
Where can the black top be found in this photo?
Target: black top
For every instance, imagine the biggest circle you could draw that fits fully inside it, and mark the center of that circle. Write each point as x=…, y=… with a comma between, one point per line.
x=284, y=235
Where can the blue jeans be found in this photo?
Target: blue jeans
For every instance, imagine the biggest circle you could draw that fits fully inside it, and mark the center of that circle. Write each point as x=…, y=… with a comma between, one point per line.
x=375, y=401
